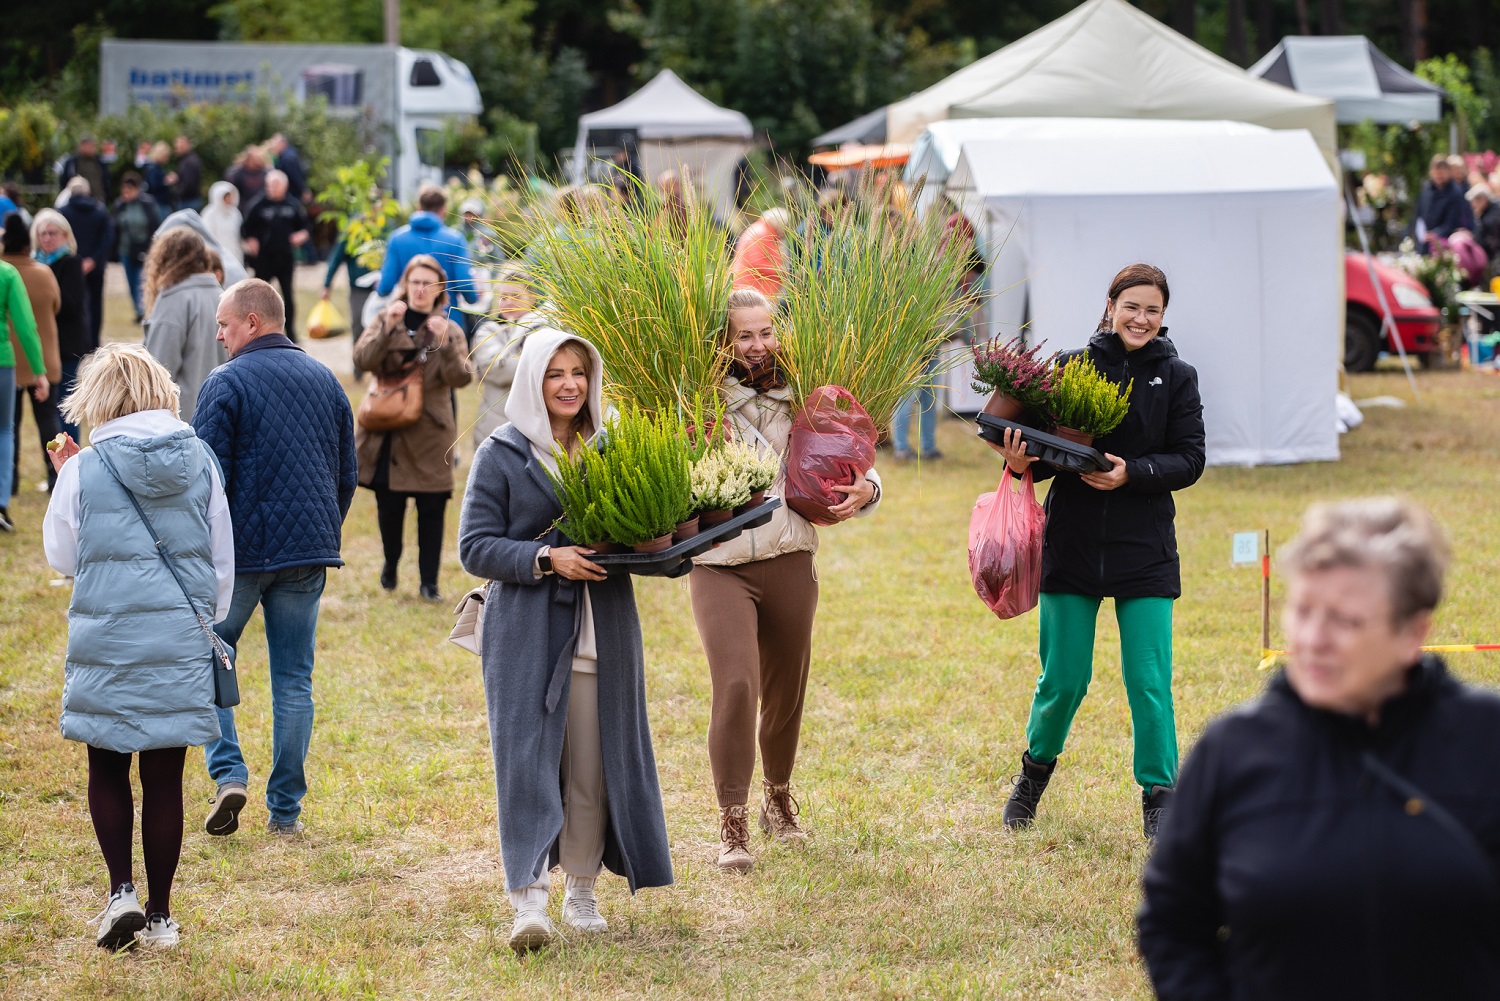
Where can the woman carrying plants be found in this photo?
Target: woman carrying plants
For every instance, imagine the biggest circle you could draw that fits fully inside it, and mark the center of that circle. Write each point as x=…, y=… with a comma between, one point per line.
x=1110, y=534
x=414, y=462
x=564, y=675
x=754, y=599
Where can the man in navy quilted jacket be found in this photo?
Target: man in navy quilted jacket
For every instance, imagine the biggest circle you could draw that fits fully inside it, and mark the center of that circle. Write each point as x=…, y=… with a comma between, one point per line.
x=281, y=426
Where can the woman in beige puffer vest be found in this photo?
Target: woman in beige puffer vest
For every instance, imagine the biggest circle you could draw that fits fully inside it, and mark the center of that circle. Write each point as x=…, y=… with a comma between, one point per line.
x=754, y=600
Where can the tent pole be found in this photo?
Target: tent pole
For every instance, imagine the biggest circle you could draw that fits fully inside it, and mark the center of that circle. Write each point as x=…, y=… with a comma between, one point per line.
x=1388, y=322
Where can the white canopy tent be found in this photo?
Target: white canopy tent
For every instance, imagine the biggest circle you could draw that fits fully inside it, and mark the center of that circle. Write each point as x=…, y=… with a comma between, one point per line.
x=669, y=126
x=1243, y=225
x=1363, y=82
x=1106, y=59
x=935, y=153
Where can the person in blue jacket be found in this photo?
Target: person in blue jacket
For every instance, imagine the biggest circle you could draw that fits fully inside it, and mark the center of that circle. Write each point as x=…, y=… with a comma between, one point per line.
x=426, y=234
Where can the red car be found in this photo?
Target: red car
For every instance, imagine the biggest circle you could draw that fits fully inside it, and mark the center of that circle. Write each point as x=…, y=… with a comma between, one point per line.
x=1417, y=319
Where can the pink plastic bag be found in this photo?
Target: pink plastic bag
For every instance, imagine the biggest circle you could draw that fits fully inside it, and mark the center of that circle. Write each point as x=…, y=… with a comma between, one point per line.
x=1005, y=547
x=833, y=439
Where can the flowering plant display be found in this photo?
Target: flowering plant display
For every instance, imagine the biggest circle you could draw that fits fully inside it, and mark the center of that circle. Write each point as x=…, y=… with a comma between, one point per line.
x=1011, y=368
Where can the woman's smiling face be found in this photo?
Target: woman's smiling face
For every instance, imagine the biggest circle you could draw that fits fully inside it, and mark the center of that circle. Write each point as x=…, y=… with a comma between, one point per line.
x=752, y=336
x=565, y=385
x=1136, y=315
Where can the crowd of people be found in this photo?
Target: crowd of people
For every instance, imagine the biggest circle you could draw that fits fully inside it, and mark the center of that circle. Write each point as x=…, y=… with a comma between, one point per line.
x=1458, y=210
x=223, y=461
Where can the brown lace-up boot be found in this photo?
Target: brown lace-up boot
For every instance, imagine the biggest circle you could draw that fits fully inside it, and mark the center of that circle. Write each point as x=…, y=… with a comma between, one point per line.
x=734, y=839
x=778, y=814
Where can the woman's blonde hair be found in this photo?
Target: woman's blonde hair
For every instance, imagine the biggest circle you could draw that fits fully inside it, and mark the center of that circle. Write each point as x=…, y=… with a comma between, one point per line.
x=1386, y=534
x=430, y=263
x=116, y=380
x=58, y=221
x=175, y=256
x=160, y=152
x=743, y=298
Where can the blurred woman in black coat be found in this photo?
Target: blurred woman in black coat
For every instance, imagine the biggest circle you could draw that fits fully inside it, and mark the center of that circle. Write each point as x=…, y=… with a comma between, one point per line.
x=1339, y=837
x=53, y=244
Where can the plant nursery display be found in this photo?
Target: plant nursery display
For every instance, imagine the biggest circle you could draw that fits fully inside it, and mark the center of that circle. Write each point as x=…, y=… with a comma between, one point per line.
x=1085, y=404
x=732, y=476
x=647, y=288
x=1016, y=379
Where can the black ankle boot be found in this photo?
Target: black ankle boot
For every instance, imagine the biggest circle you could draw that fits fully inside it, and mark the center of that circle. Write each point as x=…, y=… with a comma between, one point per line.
x=388, y=576
x=1020, y=809
x=429, y=592
x=1154, y=805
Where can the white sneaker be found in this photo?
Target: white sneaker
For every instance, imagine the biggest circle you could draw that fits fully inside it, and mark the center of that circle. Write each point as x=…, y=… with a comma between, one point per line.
x=532, y=930
x=121, y=918
x=161, y=932
x=581, y=911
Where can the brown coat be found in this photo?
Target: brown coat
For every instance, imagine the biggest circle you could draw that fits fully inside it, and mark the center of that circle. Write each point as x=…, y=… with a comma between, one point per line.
x=46, y=303
x=421, y=455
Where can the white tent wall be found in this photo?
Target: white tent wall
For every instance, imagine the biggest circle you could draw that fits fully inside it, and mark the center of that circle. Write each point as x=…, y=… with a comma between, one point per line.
x=708, y=164
x=1254, y=270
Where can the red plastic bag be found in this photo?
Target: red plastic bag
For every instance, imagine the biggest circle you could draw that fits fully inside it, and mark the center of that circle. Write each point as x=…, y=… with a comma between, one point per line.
x=832, y=441
x=1005, y=547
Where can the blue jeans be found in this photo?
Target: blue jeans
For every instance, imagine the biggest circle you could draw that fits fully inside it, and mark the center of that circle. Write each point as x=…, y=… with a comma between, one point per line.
x=69, y=380
x=7, y=431
x=926, y=398
x=133, y=272
x=290, y=599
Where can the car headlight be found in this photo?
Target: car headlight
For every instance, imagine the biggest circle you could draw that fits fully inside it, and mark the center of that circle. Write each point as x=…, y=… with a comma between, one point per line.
x=1411, y=296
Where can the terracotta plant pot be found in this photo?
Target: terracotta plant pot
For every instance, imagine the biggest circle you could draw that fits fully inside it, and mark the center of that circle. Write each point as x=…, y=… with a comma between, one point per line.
x=607, y=548
x=1005, y=408
x=686, y=529
x=1076, y=437
x=757, y=498
x=656, y=545
x=708, y=519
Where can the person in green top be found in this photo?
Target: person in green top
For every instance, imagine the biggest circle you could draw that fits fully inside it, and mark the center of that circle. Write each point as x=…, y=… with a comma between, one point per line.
x=15, y=308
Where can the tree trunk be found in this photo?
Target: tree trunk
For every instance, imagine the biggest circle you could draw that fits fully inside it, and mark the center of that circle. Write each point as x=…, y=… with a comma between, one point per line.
x=1234, y=37
x=1418, y=31
x=1329, y=20
x=1304, y=26
x=1265, y=27
x=1185, y=17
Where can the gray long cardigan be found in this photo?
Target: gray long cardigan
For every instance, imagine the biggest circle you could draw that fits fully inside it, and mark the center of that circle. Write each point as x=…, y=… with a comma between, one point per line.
x=181, y=334
x=530, y=627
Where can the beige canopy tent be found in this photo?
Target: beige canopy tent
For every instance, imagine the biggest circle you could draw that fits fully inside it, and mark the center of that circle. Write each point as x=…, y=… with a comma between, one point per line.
x=1106, y=59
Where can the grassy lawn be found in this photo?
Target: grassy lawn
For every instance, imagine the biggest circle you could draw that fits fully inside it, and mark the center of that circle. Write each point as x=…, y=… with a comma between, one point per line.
x=910, y=889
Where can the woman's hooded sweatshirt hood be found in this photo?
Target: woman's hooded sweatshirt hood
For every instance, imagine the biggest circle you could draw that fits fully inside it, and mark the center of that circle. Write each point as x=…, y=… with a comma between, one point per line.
x=527, y=410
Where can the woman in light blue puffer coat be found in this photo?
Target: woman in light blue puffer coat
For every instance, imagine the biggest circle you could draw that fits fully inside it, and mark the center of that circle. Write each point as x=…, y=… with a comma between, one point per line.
x=138, y=676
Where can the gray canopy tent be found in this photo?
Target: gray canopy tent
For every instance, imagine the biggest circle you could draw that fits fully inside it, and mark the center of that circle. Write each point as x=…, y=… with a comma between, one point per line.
x=1363, y=82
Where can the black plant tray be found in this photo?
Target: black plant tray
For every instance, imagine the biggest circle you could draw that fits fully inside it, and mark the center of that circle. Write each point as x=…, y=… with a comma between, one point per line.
x=1058, y=452
x=678, y=560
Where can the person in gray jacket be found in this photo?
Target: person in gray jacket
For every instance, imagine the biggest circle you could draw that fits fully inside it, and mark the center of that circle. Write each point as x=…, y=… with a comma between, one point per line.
x=181, y=297
x=564, y=675
x=138, y=678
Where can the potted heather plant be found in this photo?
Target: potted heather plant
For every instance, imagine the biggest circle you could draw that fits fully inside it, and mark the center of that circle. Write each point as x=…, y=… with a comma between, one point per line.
x=1016, y=379
x=760, y=469
x=719, y=486
x=1083, y=403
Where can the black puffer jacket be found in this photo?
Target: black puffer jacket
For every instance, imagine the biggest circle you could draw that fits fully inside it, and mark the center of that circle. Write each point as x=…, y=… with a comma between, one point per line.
x=1308, y=855
x=1122, y=543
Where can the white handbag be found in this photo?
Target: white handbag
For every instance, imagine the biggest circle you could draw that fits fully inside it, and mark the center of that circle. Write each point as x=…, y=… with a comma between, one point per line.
x=468, y=631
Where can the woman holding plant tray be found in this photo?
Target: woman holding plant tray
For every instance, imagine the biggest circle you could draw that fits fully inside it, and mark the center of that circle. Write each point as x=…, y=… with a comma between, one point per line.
x=564, y=681
x=754, y=599
x=1110, y=534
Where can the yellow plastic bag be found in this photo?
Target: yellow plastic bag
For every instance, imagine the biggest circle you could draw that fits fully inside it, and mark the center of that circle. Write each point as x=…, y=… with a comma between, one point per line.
x=325, y=320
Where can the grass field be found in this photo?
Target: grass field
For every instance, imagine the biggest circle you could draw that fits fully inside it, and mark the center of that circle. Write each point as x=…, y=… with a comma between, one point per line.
x=910, y=889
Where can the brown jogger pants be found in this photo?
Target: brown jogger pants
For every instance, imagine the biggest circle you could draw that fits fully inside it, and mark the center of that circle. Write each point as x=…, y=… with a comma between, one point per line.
x=756, y=623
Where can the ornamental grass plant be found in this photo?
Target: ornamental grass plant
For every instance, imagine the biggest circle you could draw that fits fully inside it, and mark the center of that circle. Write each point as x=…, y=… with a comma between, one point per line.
x=870, y=295
x=1085, y=399
x=646, y=287
x=635, y=488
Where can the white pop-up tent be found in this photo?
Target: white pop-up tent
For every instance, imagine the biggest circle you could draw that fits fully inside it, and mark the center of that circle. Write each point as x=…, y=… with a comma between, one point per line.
x=1245, y=226
x=1363, y=82
x=667, y=125
x=935, y=153
x=1106, y=59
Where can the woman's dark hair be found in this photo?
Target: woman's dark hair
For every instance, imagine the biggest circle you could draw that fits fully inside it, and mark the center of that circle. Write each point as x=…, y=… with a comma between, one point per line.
x=1131, y=276
x=131, y=180
x=17, y=238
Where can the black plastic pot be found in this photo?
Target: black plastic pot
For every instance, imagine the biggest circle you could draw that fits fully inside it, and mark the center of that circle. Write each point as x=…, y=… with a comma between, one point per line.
x=678, y=559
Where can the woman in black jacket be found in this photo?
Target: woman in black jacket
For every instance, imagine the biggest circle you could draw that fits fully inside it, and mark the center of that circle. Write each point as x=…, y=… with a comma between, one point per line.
x=1111, y=534
x=1339, y=837
x=53, y=244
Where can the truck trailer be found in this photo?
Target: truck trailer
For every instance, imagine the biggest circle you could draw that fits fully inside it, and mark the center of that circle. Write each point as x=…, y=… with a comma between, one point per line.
x=406, y=93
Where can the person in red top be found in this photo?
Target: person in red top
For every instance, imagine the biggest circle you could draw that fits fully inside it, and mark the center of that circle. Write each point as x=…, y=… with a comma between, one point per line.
x=758, y=254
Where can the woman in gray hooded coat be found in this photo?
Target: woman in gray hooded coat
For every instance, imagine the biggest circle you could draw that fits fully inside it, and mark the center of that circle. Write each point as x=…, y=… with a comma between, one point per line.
x=564, y=675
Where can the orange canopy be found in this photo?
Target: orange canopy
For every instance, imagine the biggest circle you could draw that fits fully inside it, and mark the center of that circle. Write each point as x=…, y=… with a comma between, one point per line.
x=890, y=155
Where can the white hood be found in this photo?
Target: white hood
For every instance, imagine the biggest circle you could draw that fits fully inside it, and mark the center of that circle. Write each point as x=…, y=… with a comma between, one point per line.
x=216, y=194
x=526, y=409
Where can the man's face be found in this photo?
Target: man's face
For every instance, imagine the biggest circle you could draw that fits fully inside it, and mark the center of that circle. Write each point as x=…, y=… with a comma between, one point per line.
x=1439, y=174
x=88, y=148
x=275, y=188
x=180, y=145
x=236, y=331
x=129, y=192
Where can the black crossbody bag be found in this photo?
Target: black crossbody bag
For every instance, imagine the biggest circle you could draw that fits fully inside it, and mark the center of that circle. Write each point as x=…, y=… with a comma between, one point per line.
x=226, y=682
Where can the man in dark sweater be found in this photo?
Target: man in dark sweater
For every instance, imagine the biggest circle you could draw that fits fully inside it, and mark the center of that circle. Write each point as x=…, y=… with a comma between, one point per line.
x=274, y=225
x=281, y=426
x=189, y=174
x=1441, y=208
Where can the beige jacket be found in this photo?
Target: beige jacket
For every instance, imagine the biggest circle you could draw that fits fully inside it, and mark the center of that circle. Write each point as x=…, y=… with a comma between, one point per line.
x=770, y=414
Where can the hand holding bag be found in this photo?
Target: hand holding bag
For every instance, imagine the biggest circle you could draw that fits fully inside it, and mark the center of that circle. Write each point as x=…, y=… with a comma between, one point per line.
x=1005, y=546
x=221, y=662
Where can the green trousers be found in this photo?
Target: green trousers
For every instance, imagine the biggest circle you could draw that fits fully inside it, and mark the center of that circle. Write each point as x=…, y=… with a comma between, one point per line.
x=1067, y=650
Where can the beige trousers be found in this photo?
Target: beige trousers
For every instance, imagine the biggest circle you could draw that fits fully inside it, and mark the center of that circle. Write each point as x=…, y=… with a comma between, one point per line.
x=585, y=800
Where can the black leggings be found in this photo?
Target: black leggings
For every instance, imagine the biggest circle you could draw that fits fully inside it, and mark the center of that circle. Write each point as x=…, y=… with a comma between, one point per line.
x=390, y=508
x=47, y=428
x=113, y=811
